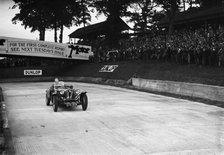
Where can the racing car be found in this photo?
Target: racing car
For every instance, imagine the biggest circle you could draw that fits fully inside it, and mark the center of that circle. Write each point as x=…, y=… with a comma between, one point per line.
x=64, y=94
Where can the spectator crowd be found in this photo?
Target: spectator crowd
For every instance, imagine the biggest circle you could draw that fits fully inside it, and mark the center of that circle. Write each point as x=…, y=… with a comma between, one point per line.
x=186, y=46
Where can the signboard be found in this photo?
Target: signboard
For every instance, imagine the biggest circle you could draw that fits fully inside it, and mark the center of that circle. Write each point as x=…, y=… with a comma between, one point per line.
x=32, y=72
x=108, y=68
x=25, y=47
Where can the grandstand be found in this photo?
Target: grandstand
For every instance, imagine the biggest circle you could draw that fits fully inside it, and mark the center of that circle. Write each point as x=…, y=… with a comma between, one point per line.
x=198, y=39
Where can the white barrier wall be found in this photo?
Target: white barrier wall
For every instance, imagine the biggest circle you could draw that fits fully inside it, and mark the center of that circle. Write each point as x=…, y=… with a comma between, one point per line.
x=215, y=93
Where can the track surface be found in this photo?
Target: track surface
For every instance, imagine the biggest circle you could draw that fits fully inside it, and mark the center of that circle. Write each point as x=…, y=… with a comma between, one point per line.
x=117, y=121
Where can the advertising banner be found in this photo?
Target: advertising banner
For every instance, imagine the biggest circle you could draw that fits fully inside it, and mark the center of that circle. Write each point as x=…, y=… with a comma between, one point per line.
x=32, y=72
x=25, y=47
x=108, y=68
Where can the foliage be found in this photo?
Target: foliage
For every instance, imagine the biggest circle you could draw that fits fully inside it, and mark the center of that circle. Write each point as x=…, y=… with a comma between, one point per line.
x=33, y=14
x=84, y=16
x=40, y=15
x=144, y=14
x=209, y=3
x=171, y=7
x=113, y=10
x=65, y=13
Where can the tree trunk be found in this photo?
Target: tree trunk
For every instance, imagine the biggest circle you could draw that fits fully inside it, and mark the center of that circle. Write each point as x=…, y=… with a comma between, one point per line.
x=172, y=15
x=145, y=21
x=42, y=27
x=55, y=33
x=61, y=34
x=171, y=23
x=145, y=14
x=184, y=5
x=42, y=33
x=191, y=3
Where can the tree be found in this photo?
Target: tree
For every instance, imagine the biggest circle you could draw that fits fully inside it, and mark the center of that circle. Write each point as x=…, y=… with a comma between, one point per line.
x=66, y=13
x=33, y=14
x=40, y=15
x=85, y=12
x=113, y=10
x=171, y=7
x=141, y=13
x=209, y=3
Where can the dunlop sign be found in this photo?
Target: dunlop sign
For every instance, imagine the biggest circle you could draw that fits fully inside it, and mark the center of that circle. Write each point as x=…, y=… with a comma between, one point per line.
x=25, y=47
x=32, y=72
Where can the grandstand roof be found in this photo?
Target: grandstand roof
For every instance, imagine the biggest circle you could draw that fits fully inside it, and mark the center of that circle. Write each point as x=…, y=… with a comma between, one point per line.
x=98, y=29
x=194, y=15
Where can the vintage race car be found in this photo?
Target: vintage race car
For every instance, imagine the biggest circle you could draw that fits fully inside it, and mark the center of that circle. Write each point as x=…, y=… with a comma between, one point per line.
x=62, y=94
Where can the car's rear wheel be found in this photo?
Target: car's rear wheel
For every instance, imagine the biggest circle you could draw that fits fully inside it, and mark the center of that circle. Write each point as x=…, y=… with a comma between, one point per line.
x=55, y=103
x=84, y=101
x=47, y=100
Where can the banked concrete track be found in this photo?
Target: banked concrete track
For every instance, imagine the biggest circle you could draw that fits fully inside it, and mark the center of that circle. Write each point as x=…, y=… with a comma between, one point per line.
x=118, y=121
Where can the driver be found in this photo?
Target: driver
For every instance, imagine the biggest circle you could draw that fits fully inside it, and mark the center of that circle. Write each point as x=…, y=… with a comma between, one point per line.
x=56, y=81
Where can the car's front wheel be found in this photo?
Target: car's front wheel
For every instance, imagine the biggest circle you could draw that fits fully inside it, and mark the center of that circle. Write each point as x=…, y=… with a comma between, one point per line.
x=84, y=101
x=47, y=100
x=55, y=103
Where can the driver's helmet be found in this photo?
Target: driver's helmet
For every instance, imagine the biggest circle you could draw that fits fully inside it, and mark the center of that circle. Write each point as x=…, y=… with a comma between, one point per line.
x=56, y=81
